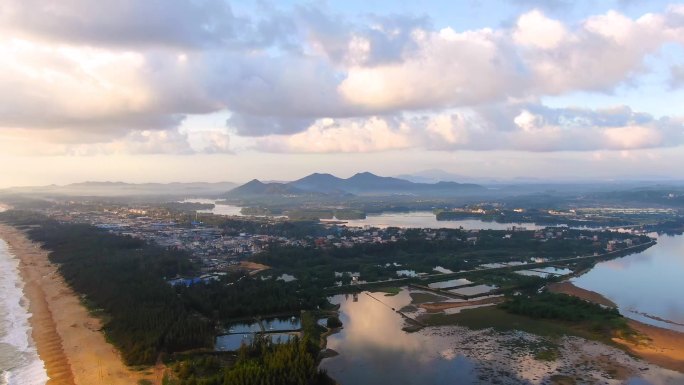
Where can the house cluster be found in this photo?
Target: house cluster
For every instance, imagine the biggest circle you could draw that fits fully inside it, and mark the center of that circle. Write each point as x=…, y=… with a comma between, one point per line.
x=215, y=249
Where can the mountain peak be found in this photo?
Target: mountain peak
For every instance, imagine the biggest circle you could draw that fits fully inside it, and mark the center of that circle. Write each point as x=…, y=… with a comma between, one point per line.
x=365, y=175
x=362, y=183
x=318, y=182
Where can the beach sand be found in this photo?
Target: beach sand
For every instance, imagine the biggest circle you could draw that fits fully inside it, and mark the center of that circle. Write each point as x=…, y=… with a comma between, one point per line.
x=567, y=287
x=68, y=338
x=662, y=347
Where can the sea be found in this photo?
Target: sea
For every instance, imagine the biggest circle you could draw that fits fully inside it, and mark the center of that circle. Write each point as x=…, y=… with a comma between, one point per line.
x=19, y=360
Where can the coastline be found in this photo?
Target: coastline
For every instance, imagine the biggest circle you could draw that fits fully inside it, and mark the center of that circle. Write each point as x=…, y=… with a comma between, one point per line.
x=662, y=347
x=67, y=337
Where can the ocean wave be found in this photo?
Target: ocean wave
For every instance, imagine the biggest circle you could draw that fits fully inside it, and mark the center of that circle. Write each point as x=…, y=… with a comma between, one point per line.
x=20, y=363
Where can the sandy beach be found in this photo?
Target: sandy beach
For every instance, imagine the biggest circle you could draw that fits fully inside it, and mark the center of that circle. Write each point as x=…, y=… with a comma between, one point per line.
x=567, y=287
x=68, y=338
x=662, y=347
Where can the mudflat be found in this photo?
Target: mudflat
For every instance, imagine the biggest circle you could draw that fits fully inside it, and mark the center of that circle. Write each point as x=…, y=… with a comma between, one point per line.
x=659, y=346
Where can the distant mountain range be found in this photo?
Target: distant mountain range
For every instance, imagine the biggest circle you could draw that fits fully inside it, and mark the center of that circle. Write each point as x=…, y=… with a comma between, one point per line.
x=364, y=183
x=121, y=189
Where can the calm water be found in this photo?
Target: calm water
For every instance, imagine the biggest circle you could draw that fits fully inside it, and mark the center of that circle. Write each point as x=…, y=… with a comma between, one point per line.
x=427, y=219
x=374, y=350
x=413, y=219
x=218, y=209
x=472, y=290
x=19, y=361
x=273, y=324
x=650, y=282
x=231, y=342
x=244, y=333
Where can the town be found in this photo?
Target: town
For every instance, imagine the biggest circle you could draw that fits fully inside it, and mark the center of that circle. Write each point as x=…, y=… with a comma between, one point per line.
x=220, y=244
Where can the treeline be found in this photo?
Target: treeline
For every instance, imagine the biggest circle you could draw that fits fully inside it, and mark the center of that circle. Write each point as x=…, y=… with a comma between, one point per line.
x=123, y=277
x=669, y=227
x=449, y=250
x=261, y=226
x=538, y=216
x=234, y=297
x=263, y=362
x=316, y=214
x=563, y=307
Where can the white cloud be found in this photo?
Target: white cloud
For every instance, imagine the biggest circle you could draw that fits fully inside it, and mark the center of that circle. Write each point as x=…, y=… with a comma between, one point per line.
x=107, y=76
x=449, y=68
x=137, y=142
x=528, y=121
x=543, y=57
x=526, y=127
x=632, y=137
x=185, y=23
x=348, y=135
x=536, y=30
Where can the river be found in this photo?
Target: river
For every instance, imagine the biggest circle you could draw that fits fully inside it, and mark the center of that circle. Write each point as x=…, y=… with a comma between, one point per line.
x=647, y=286
x=649, y=282
x=412, y=219
x=374, y=350
x=427, y=219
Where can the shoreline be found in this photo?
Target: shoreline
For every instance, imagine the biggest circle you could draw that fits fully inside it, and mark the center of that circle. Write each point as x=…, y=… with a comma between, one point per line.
x=68, y=339
x=662, y=347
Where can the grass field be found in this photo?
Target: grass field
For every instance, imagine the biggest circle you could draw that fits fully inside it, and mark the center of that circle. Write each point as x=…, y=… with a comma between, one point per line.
x=500, y=320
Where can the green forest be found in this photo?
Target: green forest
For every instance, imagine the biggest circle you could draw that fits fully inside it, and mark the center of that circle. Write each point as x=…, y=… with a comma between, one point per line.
x=566, y=308
x=376, y=261
x=123, y=279
x=263, y=362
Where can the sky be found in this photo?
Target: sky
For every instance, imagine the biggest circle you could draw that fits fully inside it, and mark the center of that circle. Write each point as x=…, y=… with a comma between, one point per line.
x=217, y=90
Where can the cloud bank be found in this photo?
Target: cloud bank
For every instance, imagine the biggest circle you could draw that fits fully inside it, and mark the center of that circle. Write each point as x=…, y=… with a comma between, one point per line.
x=78, y=76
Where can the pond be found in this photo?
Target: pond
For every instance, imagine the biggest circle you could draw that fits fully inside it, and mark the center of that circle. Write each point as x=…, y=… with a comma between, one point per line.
x=473, y=290
x=243, y=333
x=231, y=342
x=270, y=324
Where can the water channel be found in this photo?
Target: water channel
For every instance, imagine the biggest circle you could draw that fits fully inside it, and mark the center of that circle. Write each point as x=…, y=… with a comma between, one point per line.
x=646, y=286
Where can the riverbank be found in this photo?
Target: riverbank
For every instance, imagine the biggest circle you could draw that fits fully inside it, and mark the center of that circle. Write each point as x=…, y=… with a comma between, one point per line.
x=662, y=347
x=68, y=339
x=568, y=288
